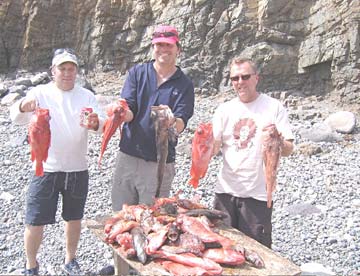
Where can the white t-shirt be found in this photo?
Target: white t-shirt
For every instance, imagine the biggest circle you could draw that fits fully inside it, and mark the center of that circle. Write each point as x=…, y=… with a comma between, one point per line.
x=69, y=141
x=238, y=126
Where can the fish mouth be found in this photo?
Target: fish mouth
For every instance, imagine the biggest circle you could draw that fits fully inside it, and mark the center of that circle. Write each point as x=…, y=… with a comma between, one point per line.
x=173, y=236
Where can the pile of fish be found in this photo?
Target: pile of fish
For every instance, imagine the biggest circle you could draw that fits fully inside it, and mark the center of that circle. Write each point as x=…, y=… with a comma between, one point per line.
x=179, y=234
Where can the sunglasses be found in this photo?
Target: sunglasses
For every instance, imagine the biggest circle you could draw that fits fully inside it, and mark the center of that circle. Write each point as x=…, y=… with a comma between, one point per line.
x=243, y=77
x=63, y=50
x=163, y=34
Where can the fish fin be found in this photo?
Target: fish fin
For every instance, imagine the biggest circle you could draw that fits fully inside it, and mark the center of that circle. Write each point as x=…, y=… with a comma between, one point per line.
x=194, y=182
x=120, y=129
x=172, y=134
x=105, y=139
x=99, y=161
x=101, y=156
x=46, y=153
x=39, y=171
x=32, y=157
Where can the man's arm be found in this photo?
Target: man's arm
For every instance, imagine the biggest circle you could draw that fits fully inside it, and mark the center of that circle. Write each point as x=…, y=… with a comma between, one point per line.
x=21, y=111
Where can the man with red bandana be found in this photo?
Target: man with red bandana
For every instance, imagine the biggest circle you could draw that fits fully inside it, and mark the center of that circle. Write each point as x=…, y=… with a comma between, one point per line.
x=158, y=82
x=155, y=83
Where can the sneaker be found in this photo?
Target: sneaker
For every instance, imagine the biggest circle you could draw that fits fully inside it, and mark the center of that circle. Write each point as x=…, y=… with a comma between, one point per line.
x=31, y=271
x=72, y=268
x=107, y=270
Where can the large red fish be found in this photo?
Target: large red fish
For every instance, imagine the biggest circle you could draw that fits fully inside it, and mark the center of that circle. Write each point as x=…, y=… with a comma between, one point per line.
x=271, y=156
x=197, y=227
x=225, y=256
x=178, y=269
x=191, y=260
x=39, y=138
x=116, y=116
x=202, y=149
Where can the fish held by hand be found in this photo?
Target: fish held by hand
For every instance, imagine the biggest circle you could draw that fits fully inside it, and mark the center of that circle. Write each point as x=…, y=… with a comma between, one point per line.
x=202, y=150
x=272, y=146
x=116, y=113
x=39, y=138
x=163, y=120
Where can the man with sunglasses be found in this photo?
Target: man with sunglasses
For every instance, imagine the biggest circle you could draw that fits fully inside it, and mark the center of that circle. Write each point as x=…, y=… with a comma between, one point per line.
x=65, y=170
x=240, y=126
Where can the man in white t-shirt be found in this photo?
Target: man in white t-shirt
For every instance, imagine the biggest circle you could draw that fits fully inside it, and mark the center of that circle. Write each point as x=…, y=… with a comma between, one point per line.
x=240, y=126
x=66, y=168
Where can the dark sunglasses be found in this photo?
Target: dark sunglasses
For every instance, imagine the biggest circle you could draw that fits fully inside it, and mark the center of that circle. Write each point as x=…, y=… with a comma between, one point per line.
x=63, y=50
x=163, y=34
x=243, y=77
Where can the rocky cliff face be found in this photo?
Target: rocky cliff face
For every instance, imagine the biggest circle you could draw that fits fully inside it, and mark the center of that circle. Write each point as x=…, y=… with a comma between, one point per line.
x=304, y=47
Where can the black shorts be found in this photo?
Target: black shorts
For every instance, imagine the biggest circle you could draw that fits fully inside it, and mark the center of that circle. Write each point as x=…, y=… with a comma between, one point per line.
x=250, y=216
x=43, y=194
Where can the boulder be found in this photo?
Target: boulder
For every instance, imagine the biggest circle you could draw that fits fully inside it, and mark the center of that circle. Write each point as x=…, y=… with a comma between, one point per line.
x=341, y=121
x=320, y=132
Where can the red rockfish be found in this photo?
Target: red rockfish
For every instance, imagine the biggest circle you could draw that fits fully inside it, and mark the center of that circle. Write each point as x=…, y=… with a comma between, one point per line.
x=39, y=138
x=116, y=115
x=202, y=150
x=271, y=157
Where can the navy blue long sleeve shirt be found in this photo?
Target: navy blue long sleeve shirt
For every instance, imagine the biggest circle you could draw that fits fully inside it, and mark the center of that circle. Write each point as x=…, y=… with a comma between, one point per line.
x=141, y=92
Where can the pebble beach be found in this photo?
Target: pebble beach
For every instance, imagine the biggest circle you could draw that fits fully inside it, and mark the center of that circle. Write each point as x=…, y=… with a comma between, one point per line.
x=316, y=216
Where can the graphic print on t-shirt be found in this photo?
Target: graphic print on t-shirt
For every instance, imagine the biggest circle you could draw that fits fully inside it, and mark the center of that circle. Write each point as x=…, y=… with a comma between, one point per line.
x=243, y=132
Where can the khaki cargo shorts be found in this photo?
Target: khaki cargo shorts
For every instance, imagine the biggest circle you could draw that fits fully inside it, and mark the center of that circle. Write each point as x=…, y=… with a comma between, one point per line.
x=135, y=181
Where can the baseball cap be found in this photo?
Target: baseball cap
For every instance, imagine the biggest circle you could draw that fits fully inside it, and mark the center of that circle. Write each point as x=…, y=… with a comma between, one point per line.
x=64, y=55
x=167, y=34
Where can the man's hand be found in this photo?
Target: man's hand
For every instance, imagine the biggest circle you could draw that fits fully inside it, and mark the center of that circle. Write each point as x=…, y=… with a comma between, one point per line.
x=271, y=131
x=177, y=123
x=27, y=105
x=268, y=132
x=169, y=113
x=121, y=107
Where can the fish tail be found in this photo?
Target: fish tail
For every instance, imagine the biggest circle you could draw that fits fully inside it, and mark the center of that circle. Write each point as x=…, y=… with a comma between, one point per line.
x=104, y=144
x=160, y=173
x=102, y=150
x=32, y=157
x=100, y=158
x=194, y=182
x=160, y=179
